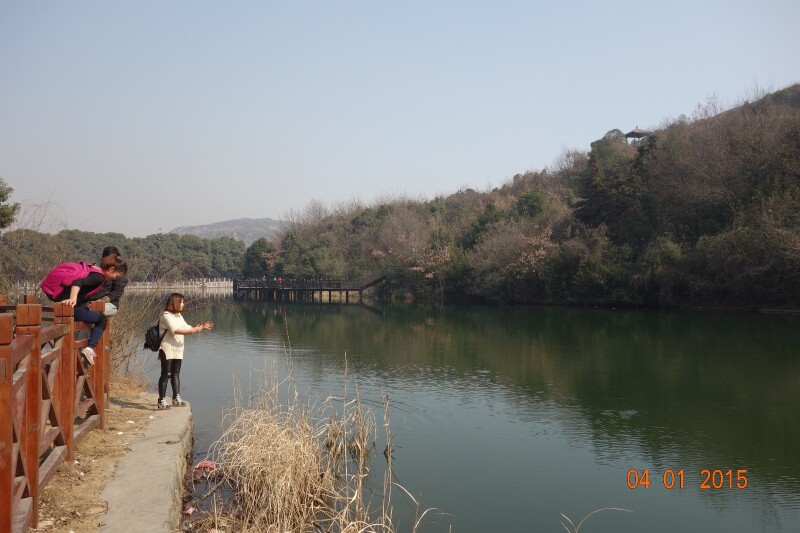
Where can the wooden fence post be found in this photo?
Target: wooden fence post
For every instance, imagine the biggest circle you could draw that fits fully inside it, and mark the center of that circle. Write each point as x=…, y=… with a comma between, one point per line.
x=29, y=322
x=105, y=342
x=6, y=423
x=100, y=368
x=63, y=314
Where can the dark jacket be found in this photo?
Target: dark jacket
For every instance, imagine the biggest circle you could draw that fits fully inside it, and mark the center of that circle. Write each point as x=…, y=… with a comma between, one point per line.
x=112, y=289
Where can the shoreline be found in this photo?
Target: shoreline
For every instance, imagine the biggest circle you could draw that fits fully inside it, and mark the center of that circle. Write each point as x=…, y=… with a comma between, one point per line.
x=149, y=477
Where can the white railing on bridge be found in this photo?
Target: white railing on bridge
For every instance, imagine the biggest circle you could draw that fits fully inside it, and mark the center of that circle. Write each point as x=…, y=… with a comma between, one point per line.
x=198, y=283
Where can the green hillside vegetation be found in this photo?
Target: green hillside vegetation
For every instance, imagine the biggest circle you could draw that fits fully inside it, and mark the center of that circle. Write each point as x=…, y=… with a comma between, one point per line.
x=27, y=255
x=703, y=212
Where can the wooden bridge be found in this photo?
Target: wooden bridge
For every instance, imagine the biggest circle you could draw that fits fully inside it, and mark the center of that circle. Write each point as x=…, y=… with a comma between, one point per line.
x=49, y=401
x=302, y=290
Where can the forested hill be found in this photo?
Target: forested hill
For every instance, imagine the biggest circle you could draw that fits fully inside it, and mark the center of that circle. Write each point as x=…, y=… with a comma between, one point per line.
x=27, y=255
x=246, y=230
x=210, y=251
x=705, y=211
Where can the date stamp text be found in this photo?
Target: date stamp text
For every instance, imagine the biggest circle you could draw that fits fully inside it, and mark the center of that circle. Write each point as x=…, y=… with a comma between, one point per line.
x=709, y=479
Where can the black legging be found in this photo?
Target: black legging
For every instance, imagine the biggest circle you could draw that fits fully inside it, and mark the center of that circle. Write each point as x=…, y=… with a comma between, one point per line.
x=170, y=371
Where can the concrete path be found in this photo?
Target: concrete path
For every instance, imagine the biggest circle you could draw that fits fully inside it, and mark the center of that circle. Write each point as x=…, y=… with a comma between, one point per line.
x=145, y=493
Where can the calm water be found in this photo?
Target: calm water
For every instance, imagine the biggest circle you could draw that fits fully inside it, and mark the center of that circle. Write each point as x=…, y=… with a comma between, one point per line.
x=504, y=418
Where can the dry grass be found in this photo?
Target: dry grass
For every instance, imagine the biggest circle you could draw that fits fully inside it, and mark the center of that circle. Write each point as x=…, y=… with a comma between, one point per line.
x=272, y=460
x=299, y=467
x=576, y=529
x=127, y=386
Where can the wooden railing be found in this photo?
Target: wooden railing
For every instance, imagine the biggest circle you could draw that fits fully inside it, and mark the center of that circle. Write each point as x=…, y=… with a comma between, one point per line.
x=310, y=284
x=304, y=290
x=371, y=279
x=49, y=400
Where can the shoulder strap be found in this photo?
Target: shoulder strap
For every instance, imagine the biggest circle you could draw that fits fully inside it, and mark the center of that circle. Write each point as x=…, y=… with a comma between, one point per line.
x=158, y=325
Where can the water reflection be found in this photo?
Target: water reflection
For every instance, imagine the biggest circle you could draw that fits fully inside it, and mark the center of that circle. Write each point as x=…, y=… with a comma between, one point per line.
x=509, y=416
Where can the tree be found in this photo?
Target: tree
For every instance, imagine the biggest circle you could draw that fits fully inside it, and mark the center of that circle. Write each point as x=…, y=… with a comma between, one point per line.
x=534, y=204
x=8, y=211
x=507, y=262
x=613, y=191
x=259, y=259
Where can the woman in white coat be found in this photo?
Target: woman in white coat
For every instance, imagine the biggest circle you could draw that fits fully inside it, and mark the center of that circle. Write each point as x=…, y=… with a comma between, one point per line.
x=173, y=327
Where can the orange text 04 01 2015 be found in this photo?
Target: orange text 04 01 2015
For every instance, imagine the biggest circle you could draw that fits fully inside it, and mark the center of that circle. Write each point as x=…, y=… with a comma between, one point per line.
x=708, y=479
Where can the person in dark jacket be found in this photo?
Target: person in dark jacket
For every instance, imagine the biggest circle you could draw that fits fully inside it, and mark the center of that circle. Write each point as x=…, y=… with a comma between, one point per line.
x=112, y=289
x=77, y=296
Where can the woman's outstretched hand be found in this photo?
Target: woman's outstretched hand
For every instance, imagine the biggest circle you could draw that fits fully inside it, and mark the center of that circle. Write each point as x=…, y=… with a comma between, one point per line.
x=207, y=325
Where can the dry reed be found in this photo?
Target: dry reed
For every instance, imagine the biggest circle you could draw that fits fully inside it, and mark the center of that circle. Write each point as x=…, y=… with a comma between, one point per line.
x=300, y=467
x=576, y=529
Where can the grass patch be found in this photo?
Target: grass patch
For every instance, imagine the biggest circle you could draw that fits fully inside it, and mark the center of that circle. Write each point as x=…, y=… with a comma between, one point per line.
x=298, y=466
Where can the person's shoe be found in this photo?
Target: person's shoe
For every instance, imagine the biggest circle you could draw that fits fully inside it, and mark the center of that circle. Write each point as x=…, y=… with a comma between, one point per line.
x=88, y=355
x=178, y=401
x=162, y=404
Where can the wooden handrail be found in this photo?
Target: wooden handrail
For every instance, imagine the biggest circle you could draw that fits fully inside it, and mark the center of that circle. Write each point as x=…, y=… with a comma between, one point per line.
x=49, y=400
x=311, y=284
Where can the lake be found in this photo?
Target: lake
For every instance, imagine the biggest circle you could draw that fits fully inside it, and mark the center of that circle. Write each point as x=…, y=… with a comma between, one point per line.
x=505, y=417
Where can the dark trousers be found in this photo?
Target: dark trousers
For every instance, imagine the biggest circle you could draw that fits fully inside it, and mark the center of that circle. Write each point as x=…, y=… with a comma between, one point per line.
x=96, y=319
x=170, y=371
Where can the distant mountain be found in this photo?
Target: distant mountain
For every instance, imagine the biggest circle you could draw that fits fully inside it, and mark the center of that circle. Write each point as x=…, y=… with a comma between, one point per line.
x=242, y=229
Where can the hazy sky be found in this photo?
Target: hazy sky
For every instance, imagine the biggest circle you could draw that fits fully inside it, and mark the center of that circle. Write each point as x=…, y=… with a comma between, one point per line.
x=139, y=115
